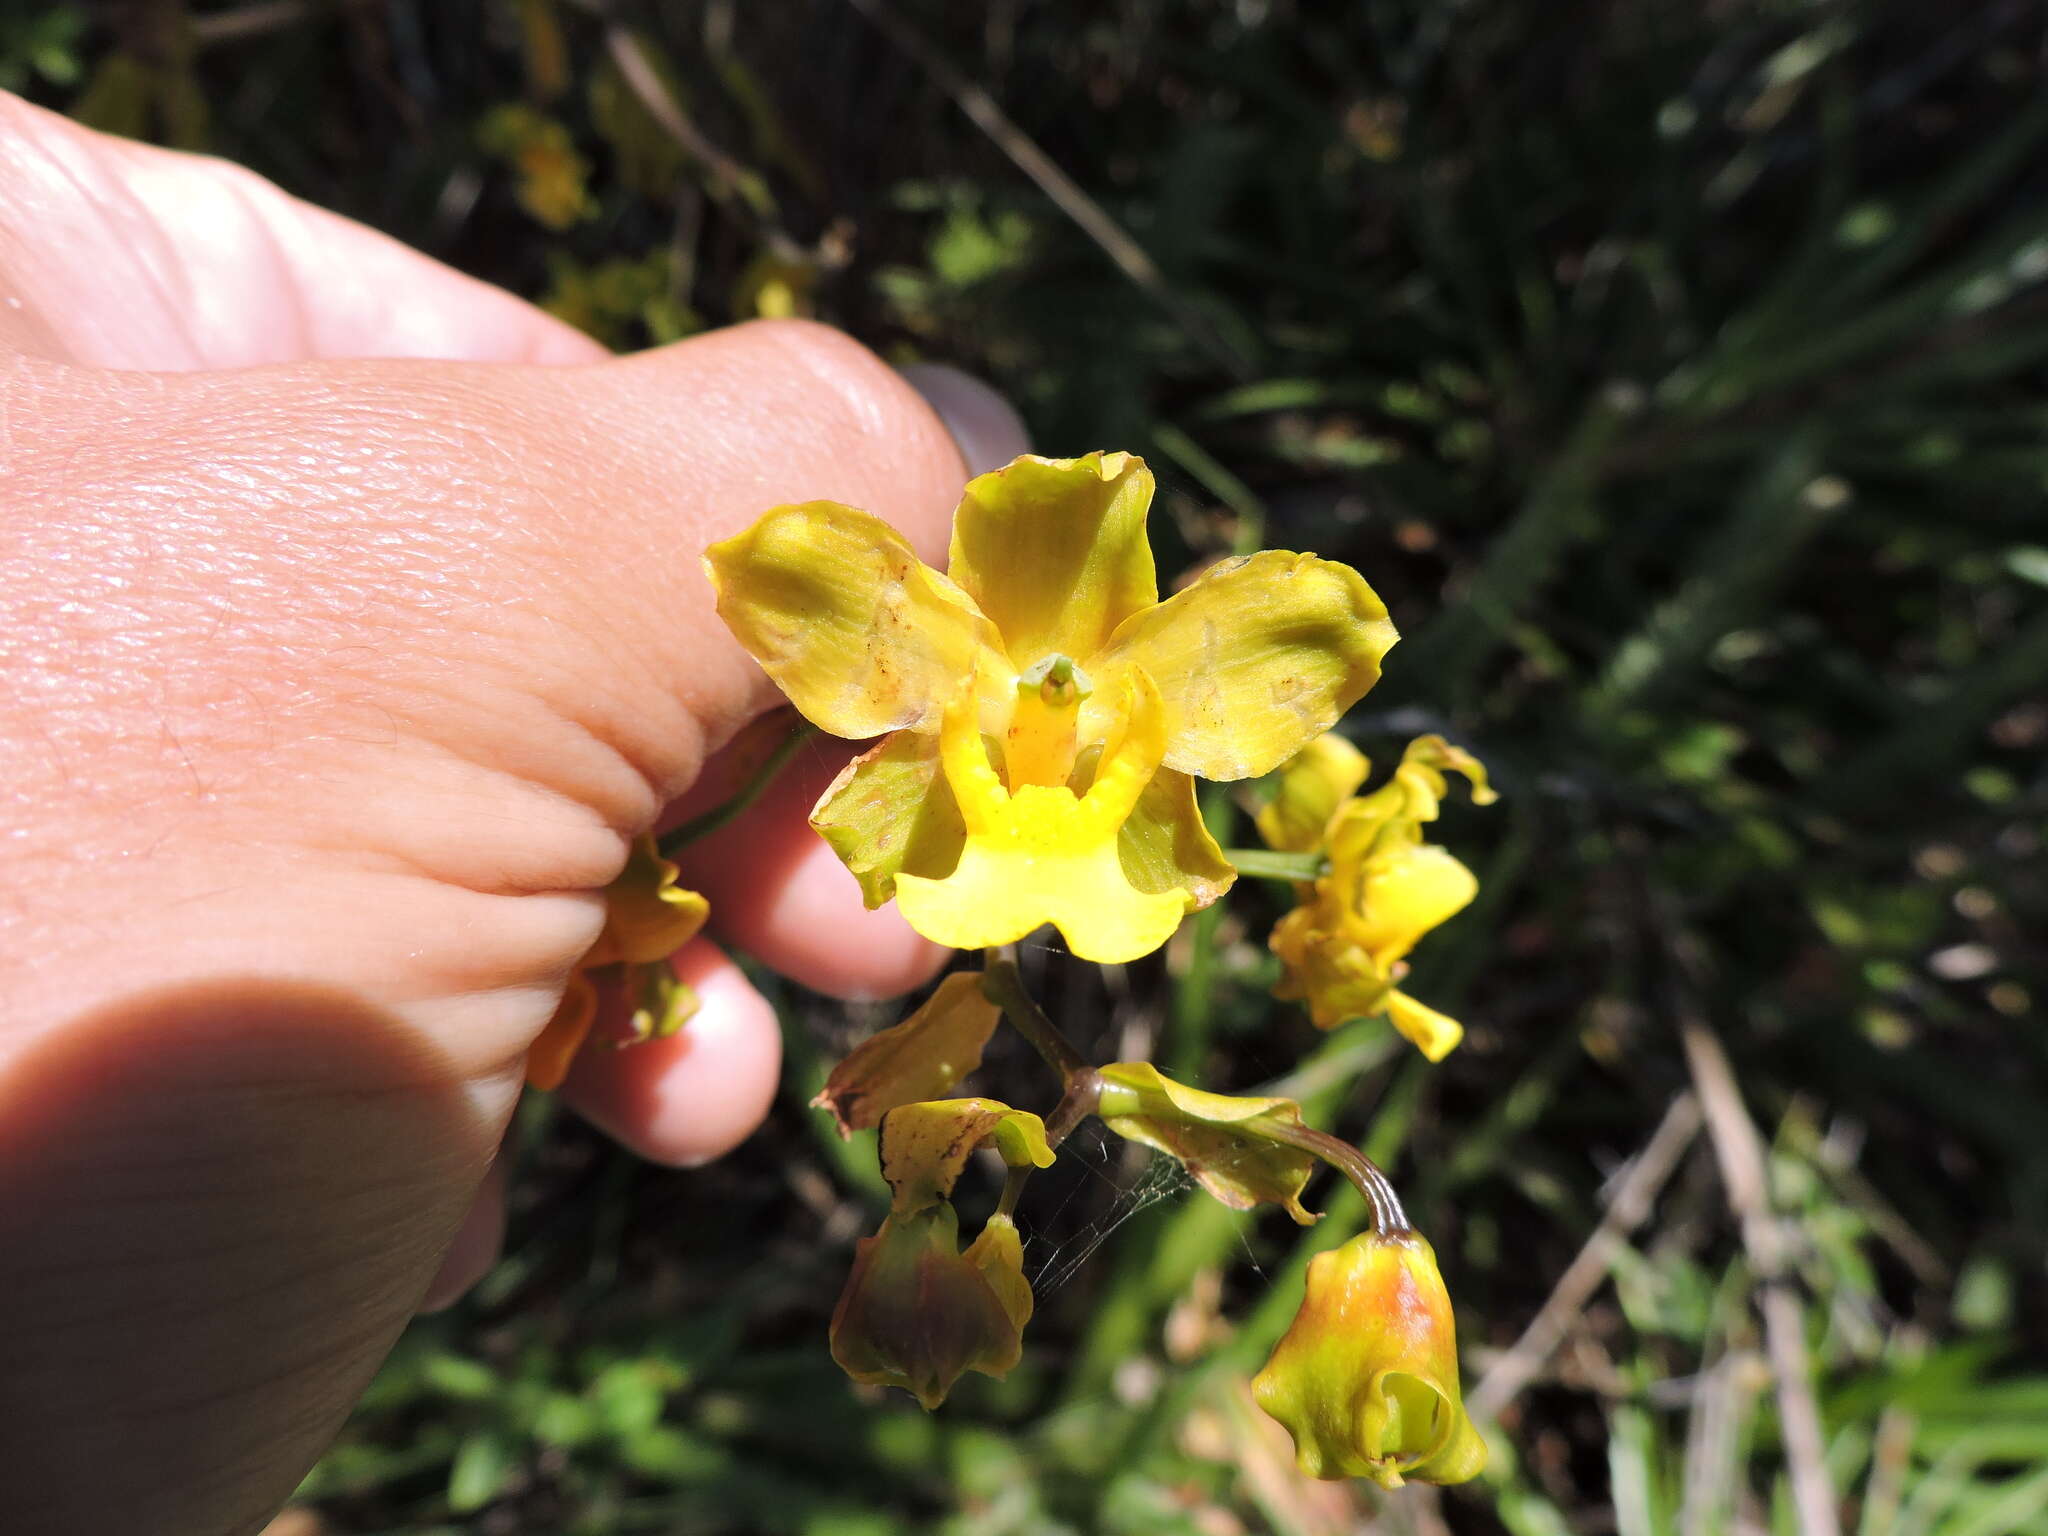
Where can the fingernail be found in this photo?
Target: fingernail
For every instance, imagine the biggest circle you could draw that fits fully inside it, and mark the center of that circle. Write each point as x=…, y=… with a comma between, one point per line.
x=985, y=426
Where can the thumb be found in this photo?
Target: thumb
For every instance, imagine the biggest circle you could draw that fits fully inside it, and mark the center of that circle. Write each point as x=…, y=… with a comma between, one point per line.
x=446, y=617
x=340, y=687
x=643, y=461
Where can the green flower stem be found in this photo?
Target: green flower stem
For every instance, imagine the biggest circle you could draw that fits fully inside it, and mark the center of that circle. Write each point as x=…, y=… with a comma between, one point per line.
x=1013, y=1186
x=1266, y=864
x=711, y=820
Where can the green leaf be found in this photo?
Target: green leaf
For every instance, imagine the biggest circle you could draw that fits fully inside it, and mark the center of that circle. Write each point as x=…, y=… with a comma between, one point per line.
x=483, y=1465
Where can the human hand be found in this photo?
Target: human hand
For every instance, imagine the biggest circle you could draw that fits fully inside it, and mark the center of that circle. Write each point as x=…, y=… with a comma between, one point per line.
x=350, y=626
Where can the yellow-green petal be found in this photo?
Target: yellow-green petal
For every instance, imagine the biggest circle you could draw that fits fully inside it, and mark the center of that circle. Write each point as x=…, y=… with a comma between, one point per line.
x=925, y=1146
x=918, y=1059
x=548, y=1058
x=1215, y=1136
x=839, y=611
x=1254, y=660
x=662, y=1003
x=1399, y=894
x=999, y=1254
x=647, y=915
x=1332, y=972
x=891, y=812
x=1434, y=1034
x=1054, y=551
x=1416, y=791
x=1166, y=846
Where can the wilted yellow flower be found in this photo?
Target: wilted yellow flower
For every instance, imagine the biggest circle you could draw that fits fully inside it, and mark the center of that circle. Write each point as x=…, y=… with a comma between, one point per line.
x=1344, y=945
x=647, y=918
x=1045, y=714
x=1221, y=1140
x=1366, y=1379
x=918, y=1313
x=924, y=1055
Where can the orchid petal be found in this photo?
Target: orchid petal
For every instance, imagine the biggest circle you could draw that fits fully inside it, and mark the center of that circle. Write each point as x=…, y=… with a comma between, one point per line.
x=889, y=812
x=1044, y=854
x=1054, y=551
x=839, y=611
x=1254, y=660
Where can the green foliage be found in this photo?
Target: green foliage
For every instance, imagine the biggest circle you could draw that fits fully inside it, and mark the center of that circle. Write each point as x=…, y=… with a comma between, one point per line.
x=41, y=48
x=1675, y=373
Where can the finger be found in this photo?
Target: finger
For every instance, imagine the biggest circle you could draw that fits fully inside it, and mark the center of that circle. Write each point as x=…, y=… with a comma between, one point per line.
x=779, y=893
x=147, y=258
x=218, y=1207
x=372, y=666
x=686, y=1099
x=477, y=1241
x=986, y=427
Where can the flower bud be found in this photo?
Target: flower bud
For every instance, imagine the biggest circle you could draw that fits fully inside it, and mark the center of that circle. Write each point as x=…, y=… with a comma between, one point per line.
x=1307, y=791
x=918, y=1313
x=1344, y=948
x=1366, y=1379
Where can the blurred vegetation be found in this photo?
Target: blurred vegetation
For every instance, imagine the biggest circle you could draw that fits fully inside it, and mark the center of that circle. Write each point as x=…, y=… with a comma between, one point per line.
x=1676, y=374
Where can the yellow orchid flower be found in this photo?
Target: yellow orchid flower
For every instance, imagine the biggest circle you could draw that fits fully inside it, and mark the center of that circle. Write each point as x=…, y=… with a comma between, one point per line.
x=1345, y=945
x=1044, y=715
x=647, y=918
x=1366, y=1378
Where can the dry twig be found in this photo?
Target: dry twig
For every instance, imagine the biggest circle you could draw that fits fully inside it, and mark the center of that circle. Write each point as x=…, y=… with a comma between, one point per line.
x=1739, y=1153
x=1093, y=220
x=1635, y=1190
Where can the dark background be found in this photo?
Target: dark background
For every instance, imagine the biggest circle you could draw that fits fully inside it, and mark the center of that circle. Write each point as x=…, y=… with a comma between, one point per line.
x=1675, y=372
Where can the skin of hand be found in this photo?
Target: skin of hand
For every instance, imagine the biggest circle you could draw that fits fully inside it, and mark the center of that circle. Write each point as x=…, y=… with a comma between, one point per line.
x=351, y=624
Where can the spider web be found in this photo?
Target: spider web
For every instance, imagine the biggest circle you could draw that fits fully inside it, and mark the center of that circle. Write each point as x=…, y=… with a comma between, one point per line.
x=1100, y=1154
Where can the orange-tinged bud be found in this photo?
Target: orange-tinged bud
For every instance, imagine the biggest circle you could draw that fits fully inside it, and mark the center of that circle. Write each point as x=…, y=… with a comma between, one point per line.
x=918, y=1313
x=1366, y=1379
x=647, y=918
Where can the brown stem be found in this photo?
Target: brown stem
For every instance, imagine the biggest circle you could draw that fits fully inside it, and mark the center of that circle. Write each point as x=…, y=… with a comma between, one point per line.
x=1362, y=1171
x=1084, y=1091
x=1003, y=985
